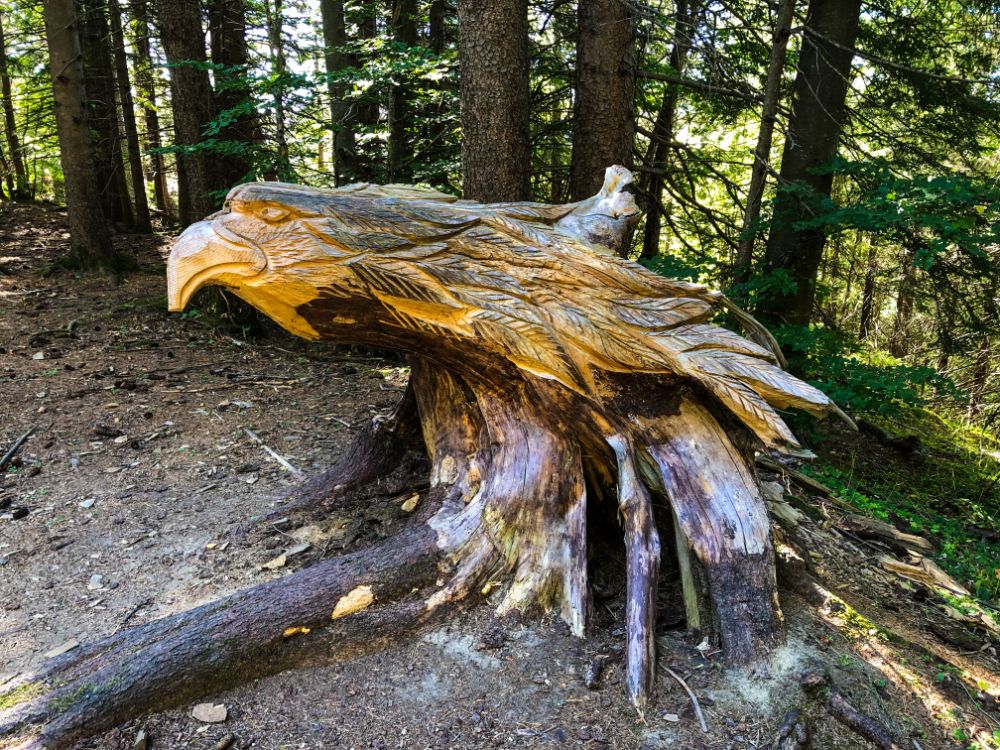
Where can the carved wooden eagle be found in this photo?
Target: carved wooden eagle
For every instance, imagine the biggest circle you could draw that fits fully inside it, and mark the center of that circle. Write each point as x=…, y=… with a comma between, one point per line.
x=535, y=284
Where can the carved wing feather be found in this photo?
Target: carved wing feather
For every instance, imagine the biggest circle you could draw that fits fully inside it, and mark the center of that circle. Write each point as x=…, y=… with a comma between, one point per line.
x=554, y=306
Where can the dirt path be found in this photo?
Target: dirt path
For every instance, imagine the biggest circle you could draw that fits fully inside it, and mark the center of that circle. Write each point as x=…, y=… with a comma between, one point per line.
x=141, y=493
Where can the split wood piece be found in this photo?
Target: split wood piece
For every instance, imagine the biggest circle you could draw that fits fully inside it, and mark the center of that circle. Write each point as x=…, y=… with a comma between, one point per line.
x=872, y=528
x=871, y=729
x=719, y=507
x=642, y=564
x=926, y=572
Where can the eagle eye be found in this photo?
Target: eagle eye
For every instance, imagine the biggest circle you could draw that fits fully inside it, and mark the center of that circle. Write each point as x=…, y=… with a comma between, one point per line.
x=272, y=214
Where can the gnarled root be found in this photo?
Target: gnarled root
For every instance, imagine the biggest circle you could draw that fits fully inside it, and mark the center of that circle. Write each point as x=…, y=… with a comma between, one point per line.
x=512, y=462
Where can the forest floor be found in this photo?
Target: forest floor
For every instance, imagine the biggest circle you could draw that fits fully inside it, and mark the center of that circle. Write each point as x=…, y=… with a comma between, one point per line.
x=142, y=493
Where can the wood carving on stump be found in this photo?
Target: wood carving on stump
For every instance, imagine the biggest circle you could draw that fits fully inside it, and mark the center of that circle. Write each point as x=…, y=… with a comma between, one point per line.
x=547, y=372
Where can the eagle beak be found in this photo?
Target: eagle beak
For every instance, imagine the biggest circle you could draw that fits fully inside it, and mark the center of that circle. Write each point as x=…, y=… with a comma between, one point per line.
x=201, y=255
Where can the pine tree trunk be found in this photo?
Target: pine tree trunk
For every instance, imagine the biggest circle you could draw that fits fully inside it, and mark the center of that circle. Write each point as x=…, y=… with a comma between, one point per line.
x=276, y=42
x=142, y=222
x=898, y=343
x=342, y=112
x=762, y=152
x=980, y=377
x=91, y=241
x=819, y=97
x=658, y=153
x=367, y=10
x=493, y=64
x=146, y=90
x=227, y=25
x=104, y=114
x=866, y=324
x=604, y=105
x=20, y=189
x=183, y=41
x=403, y=24
x=8, y=174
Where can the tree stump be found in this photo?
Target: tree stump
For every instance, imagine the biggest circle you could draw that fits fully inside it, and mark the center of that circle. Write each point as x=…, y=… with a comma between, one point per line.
x=547, y=372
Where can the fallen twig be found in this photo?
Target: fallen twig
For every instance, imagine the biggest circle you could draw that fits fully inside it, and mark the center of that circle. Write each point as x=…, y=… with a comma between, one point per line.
x=9, y=455
x=692, y=696
x=272, y=453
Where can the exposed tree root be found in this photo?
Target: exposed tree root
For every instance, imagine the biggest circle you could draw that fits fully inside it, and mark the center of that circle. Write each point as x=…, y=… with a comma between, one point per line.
x=793, y=734
x=820, y=686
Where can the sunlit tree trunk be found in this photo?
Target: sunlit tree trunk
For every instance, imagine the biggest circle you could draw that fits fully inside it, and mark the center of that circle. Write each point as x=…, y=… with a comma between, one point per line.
x=404, y=32
x=19, y=190
x=342, y=113
x=276, y=42
x=89, y=235
x=99, y=76
x=142, y=222
x=604, y=105
x=980, y=376
x=8, y=175
x=227, y=27
x=146, y=90
x=762, y=152
x=904, y=305
x=818, y=113
x=866, y=323
x=658, y=152
x=493, y=60
x=183, y=41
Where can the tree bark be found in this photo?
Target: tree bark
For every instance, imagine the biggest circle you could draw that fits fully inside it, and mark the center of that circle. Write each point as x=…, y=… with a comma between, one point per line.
x=343, y=113
x=403, y=24
x=183, y=41
x=89, y=235
x=227, y=26
x=493, y=65
x=20, y=189
x=604, y=106
x=146, y=90
x=818, y=115
x=276, y=42
x=980, y=377
x=904, y=304
x=104, y=114
x=866, y=323
x=436, y=32
x=658, y=153
x=368, y=107
x=762, y=152
x=142, y=221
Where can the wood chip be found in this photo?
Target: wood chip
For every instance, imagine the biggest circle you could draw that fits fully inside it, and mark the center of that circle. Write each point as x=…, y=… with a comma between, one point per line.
x=278, y=562
x=410, y=504
x=60, y=650
x=210, y=713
